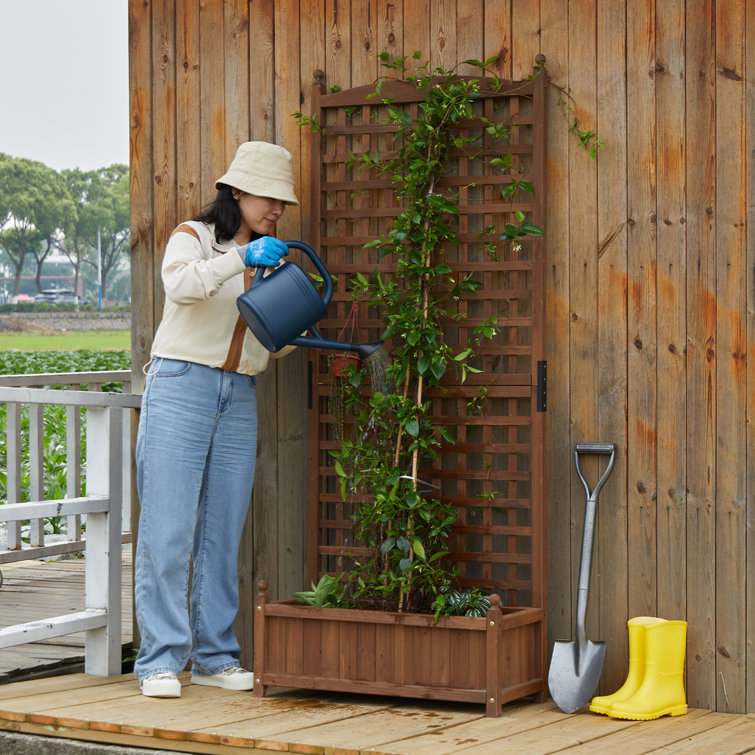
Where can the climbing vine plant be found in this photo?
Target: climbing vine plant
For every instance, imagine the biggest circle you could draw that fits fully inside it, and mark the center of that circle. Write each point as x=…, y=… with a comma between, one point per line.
x=402, y=527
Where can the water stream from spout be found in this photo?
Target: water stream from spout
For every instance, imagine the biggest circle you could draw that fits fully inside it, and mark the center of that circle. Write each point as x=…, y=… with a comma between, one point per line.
x=376, y=364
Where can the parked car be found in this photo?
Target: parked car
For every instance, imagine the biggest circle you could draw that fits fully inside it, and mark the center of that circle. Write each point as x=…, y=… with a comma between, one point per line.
x=56, y=296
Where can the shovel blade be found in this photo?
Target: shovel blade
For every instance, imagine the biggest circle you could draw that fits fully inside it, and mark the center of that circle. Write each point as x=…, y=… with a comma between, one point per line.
x=574, y=673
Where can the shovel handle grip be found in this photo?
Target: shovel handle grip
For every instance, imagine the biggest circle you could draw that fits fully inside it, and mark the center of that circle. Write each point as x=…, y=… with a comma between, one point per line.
x=595, y=448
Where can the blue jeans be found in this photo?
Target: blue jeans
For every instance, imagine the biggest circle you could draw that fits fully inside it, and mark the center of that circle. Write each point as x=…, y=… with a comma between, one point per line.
x=195, y=454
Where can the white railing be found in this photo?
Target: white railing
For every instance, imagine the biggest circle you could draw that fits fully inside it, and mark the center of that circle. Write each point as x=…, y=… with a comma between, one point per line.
x=17, y=551
x=93, y=380
x=107, y=473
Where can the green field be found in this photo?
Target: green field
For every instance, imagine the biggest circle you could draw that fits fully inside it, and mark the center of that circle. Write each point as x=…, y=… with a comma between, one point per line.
x=99, y=340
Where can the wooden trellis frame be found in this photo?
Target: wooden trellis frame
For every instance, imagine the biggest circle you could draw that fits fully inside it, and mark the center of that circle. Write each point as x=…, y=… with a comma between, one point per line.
x=494, y=472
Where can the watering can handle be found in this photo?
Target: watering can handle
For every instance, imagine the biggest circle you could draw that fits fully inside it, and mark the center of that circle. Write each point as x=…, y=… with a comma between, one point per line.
x=316, y=261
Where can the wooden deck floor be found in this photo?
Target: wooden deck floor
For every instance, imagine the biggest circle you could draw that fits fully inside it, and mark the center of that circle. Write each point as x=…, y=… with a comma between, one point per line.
x=34, y=590
x=209, y=720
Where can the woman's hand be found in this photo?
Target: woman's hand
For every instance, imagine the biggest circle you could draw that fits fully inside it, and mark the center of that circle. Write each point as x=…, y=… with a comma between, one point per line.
x=263, y=252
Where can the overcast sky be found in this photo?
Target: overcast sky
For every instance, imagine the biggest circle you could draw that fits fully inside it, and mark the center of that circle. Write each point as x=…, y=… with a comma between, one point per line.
x=64, y=81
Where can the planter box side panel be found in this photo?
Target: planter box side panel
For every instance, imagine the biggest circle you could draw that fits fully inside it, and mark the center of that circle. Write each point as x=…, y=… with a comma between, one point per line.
x=418, y=659
x=519, y=668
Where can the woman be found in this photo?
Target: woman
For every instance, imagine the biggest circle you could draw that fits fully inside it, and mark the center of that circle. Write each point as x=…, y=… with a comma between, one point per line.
x=196, y=446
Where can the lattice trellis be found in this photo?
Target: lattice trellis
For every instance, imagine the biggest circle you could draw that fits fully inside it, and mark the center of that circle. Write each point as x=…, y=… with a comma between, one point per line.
x=494, y=471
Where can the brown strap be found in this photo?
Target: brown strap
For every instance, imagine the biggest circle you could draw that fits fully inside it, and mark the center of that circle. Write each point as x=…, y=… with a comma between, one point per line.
x=186, y=228
x=231, y=363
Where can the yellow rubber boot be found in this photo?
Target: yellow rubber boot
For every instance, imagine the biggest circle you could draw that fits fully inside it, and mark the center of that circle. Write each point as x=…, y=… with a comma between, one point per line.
x=661, y=692
x=636, y=628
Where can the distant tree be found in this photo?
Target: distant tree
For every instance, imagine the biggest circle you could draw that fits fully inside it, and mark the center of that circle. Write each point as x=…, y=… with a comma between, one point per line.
x=36, y=207
x=108, y=213
x=53, y=220
x=77, y=242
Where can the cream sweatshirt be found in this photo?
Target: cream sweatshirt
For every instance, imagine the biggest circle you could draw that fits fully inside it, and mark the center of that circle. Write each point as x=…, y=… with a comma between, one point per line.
x=201, y=323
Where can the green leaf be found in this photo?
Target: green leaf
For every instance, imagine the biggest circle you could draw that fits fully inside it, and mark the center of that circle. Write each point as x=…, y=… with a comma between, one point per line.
x=412, y=500
x=438, y=369
x=387, y=545
x=412, y=428
x=530, y=229
x=403, y=544
x=419, y=549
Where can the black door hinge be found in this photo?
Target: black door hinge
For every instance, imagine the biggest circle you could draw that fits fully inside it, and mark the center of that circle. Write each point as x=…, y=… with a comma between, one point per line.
x=542, y=385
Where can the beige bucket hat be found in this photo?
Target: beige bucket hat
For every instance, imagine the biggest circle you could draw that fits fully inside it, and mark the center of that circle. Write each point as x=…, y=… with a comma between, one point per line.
x=262, y=169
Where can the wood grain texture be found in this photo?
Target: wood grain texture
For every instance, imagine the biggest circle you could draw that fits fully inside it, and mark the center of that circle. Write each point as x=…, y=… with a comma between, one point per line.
x=212, y=106
x=143, y=326
x=188, y=157
x=583, y=284
x=731, y=384
x=749, y=116
x=292, y=371
x=701, y=354
x=612, y=584
x=560, y=463
x=671, y=271
x=641, y=309
x=649, y=278
x=261, y=70
x=164, y=143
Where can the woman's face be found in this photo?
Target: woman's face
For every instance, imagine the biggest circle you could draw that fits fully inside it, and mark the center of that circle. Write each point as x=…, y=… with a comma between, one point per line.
x=258, y=214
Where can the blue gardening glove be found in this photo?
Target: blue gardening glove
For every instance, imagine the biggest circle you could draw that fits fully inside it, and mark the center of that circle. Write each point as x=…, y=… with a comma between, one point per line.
x=263, y=252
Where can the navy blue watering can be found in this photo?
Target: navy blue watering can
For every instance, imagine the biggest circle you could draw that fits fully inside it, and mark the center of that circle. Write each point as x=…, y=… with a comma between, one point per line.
x=278, y=308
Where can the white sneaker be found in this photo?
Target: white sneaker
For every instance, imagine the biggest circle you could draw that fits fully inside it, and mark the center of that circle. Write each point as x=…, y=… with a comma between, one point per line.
x=232, y=678
x=163, y=684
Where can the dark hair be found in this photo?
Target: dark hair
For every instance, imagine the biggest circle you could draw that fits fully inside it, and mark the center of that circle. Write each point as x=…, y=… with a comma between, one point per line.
x=224, y=212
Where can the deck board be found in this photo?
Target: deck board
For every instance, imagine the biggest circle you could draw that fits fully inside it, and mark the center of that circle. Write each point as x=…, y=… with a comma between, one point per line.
x=34, y=590
x=210, y=720
x=111, y=710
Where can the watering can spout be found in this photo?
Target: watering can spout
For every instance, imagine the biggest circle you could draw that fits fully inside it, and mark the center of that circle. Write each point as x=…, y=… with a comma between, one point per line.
x=364, y=350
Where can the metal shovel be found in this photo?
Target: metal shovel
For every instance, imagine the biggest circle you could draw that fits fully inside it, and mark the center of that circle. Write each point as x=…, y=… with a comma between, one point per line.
x=575, y=666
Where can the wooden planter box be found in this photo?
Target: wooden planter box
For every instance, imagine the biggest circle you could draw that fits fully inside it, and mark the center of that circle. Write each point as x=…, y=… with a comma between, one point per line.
x=490, y=660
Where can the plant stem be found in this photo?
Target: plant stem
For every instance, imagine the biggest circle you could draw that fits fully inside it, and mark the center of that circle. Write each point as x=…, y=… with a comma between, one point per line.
x=426, y=252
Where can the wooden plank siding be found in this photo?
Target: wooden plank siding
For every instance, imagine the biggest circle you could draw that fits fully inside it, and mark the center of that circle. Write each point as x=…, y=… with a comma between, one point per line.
x=650, y=275
x=612, y=235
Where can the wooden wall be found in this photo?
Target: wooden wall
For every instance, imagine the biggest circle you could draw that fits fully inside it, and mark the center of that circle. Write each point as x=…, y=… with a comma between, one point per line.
x=651, y=273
